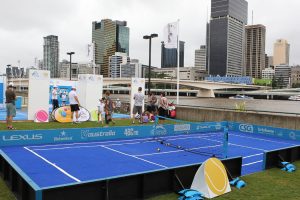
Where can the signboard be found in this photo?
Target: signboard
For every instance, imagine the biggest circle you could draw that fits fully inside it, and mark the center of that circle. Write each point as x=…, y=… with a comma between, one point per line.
x=38, y=92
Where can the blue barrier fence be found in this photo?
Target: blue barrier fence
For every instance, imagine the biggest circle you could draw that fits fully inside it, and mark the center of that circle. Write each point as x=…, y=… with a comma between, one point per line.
x=58, y=136
x=265, y=130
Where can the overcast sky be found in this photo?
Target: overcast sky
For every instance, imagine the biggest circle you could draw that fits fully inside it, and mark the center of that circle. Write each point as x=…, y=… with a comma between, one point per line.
x=24, y=23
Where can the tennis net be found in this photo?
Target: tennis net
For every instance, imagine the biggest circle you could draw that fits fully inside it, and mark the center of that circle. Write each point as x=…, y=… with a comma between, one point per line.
x=204, y=138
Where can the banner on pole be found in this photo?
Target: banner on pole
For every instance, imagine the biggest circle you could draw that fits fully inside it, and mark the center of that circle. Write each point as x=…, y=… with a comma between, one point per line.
x=171, y=35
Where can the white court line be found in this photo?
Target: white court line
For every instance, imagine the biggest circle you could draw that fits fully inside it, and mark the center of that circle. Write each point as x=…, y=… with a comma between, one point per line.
x=123, y=140
x=54, y=165
x=256, y=138
x=246, y=147
x=252, y=163
x=253, y=155
x=166, y=152
x=114, y=143
x=135, y=157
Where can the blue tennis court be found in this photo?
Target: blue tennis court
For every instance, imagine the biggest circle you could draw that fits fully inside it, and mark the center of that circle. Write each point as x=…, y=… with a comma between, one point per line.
x=59, y=164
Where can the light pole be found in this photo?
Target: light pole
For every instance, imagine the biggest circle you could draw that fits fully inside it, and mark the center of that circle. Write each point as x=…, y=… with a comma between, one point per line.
x=149, y=37
x=70, y=54
x=8, y=75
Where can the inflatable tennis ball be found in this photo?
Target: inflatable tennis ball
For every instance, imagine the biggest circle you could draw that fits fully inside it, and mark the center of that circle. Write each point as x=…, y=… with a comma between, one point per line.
x=42, y=116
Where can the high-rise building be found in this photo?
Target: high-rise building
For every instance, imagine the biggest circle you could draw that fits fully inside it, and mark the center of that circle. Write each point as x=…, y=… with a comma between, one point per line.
x=131, y=69
x=200, y=57
x=270, y=61
x=255, y=50
x=114, y=64
x=51, y=55
x=268, y=73
x=281, y=52
x=283, y=75
x=226, y=32
x=109, y=37
x=295, y=76
x=169, y=56
x=76, y=69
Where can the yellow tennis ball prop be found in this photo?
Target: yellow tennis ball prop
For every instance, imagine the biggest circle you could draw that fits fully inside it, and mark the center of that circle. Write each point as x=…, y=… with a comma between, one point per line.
x=211, y=179
x=216, y=176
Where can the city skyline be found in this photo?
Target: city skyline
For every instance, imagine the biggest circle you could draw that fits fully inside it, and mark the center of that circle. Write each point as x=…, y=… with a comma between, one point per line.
x=22, y=31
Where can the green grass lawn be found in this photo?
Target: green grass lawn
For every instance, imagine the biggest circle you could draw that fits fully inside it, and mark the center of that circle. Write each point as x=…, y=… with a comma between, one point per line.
x=268, y=185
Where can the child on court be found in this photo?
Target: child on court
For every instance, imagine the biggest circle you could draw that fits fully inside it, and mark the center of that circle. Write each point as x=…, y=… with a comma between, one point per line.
x=101, y=112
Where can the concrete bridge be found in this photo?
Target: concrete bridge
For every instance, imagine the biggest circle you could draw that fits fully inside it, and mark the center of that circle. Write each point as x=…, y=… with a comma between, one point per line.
x=205, y=87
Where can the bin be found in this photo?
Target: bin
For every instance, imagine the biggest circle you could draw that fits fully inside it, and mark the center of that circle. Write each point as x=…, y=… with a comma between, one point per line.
x=19, y=102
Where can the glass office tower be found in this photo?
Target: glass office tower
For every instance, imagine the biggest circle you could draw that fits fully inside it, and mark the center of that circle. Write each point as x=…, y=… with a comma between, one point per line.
x=226, y=32
x=109, y=37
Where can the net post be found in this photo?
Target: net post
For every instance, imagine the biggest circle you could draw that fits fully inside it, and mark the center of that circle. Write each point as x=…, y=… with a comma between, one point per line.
x=225, y=142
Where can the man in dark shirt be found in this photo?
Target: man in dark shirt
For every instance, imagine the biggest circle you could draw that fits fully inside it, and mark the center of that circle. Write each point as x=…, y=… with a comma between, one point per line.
x=10, y=105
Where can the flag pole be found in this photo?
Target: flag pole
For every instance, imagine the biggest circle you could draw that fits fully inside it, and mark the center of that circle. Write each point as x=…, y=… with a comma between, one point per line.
x=93, y=54
x=178, y=54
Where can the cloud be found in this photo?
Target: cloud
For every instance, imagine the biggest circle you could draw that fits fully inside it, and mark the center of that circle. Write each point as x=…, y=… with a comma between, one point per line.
x=25, y=23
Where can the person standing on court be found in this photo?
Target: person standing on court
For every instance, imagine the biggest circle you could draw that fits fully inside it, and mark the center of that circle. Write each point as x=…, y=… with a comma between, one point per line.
x=74, y=104
x=54, y=98
x=163, y=105
x=10, y=105
x=138, y=105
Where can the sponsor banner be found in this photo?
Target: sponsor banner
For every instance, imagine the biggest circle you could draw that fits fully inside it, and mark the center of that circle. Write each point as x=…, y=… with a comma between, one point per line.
x=265, y=130
x=188, y=128
x=35, y=137
x=237, y=80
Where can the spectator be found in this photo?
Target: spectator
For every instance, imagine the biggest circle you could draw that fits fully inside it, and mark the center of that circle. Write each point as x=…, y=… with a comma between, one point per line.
x=163, y=105
x=10, y=105
x=101, y=113
x=54, y=98
x=74, y=104
x=108, y=108
x=152, y=100
x=138, y=104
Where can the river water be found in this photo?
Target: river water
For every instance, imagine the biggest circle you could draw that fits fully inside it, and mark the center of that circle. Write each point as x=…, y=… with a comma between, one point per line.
x=280, y=106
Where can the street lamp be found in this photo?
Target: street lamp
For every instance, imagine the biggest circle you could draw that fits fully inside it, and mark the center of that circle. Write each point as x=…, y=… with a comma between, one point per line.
x=7, y=71
x=149, y=37
x=70, y=54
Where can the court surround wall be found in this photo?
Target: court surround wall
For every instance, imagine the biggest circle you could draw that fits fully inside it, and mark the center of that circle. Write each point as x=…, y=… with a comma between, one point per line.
x=249, y=117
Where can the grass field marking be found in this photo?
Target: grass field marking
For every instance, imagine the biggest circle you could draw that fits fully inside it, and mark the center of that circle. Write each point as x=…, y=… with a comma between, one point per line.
x=54, y=165
x=147, y=161
x=252, y=163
